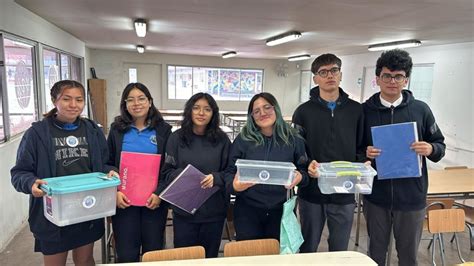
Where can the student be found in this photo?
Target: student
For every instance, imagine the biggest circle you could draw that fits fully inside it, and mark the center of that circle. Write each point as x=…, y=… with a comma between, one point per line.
x=266, y=136
x=62, y=143
x=398, y=204
x=332, y=125
x=201, y=143
x=139, y=128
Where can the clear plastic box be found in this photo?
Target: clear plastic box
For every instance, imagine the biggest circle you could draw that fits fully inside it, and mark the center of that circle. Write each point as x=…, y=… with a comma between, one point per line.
x=265, y=172
x=77, y=198
x=345, y=177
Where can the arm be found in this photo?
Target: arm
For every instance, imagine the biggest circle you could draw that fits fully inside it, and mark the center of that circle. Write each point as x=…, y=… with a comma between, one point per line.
x=162, y=182
x=219, y=177
x=361, y=145
x=301, y=161
x=23, y=174
x=432, y=146
x=170, y=169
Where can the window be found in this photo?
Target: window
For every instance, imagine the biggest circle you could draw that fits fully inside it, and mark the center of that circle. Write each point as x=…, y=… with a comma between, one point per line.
x=132, y=75
x=228, y=84
x=421, y=82
x=20, y=85
x=306, y=84
x=59, y=66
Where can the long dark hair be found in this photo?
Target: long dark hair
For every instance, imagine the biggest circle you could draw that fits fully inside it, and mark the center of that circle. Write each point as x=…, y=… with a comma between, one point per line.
x=213, y=131
x=58, y=89
x=281, y=130
x=125, y=119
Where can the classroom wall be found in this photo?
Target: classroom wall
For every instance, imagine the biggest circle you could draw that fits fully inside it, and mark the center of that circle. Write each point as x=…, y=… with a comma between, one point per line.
x=16, y=20
x=452, y=93
x=109, y=65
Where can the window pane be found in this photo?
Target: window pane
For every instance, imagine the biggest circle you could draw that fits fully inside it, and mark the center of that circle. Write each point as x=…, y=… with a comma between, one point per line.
x=132, y=75
x=76, y=69
x=65, y=67
x=229, y=84
x=20, y=85
x=51, y=74
x=184, y=82
x=206, y=80
x=171, y=82
x=250, y=83
x=421, y=82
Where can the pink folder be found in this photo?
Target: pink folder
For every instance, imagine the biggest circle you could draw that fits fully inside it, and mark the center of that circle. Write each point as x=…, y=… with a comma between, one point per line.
x=139, y=176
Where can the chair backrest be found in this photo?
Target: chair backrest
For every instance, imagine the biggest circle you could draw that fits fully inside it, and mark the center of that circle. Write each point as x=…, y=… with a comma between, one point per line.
x=446, y=221
x=252, y=248
x=194, y=252
x=439, y=203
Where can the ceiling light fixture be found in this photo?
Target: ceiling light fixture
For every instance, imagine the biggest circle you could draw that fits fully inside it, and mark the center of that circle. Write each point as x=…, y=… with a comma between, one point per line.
x=299, y=57
x=393, y=45
x=140, y=49
x=140, y=27
x=282, y=38
x=229, y=54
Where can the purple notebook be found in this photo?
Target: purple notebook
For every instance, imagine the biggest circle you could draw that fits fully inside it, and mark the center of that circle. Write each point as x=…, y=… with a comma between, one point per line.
x=185, y=191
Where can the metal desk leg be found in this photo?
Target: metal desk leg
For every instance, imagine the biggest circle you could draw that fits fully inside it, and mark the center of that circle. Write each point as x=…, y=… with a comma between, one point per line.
x=359, y=200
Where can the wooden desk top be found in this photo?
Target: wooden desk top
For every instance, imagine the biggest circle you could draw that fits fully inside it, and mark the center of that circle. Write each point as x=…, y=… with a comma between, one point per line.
x=318, y=258
x=451, y=181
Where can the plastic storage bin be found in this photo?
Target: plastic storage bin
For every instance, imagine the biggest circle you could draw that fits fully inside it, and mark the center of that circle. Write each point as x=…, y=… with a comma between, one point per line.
x=265, y=172
x=345, y=177
x=77, y=198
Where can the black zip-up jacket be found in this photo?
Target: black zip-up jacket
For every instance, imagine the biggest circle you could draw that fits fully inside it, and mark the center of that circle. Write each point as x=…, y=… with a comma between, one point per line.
x=36, y=159
x=267, y=197
x=331, y=135
x=405, y=194
x=207, y=157
x=115, y=141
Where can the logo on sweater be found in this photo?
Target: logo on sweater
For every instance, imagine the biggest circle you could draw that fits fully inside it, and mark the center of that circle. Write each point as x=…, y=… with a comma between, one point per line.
x=72, y=141
x=153, y=139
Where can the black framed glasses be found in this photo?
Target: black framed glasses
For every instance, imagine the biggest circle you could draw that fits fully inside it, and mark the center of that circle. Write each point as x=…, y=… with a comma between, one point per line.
x=324, y=72
x=387, y=78
x=267, y=109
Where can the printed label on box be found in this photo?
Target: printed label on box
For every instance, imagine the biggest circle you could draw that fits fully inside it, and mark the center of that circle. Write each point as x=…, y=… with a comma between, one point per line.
x=49, y=207
x=340, y=190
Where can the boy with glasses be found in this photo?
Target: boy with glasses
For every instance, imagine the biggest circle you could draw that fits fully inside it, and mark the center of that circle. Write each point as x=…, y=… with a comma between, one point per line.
x=332, y=125
x=398, y=204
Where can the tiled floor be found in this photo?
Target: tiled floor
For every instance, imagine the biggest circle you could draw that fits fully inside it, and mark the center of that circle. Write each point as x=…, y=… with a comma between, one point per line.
x=20, y=250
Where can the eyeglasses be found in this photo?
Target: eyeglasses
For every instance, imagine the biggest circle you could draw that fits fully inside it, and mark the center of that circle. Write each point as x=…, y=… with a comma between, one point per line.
x=387, y=78
x=140, y=100
x=198, y=109
x=267, y=109
x=324, y=72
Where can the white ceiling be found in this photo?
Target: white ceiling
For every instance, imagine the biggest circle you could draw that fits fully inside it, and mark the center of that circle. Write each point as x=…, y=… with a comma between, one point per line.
x=212, y=27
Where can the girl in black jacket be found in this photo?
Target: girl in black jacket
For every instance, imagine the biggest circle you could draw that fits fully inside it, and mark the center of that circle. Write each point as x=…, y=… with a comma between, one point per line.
x=266, y=136
x=201, y=143
x=138, y=128
x=61, y=144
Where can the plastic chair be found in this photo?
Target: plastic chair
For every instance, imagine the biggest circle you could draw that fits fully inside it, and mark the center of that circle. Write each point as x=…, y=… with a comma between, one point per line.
x=252, y=248
x=445, y=221
x=187, y=253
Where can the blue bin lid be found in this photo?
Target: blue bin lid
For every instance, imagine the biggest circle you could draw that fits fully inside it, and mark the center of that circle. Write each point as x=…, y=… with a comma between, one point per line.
x=76, y=183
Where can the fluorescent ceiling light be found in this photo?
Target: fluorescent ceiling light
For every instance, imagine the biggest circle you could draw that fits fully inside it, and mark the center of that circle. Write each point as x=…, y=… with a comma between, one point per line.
x=393, y=45
x=140, y=49
x=229, y=54
x=299, y=57
x=282, y=38
x=140, y=27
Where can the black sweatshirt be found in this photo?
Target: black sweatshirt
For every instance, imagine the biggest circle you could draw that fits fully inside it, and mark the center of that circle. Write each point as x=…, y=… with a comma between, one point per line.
x=335, y=135
x=267, y=197
x=406, y=194
x=207, y=157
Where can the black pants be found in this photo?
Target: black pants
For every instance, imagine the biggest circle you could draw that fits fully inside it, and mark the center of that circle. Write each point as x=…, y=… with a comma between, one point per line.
x=407, y=229
x=255, y=223
x=188, y=234
x=138, y=228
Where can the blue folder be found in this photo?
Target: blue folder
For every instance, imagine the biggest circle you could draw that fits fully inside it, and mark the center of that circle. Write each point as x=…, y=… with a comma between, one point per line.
x=396, y=159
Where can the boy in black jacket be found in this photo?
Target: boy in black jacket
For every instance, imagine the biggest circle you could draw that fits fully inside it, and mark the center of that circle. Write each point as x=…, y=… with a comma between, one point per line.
x=332, y=125
x=398, y=203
